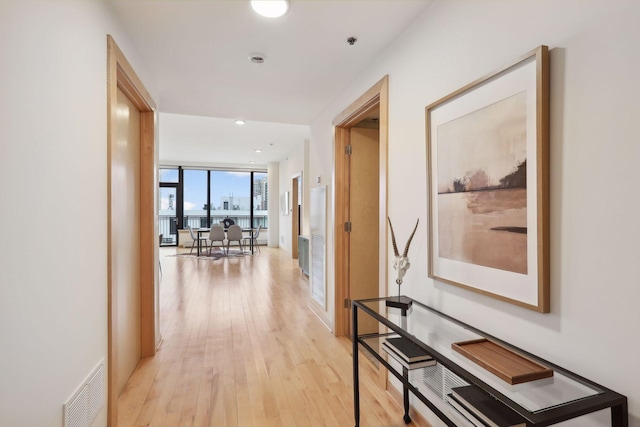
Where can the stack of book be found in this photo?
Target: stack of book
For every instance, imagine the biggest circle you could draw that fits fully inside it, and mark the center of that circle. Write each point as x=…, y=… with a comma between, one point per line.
x=407, y=353
x=483, y=410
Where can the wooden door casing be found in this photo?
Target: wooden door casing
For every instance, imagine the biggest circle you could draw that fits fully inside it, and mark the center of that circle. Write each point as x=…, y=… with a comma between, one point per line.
x=121, y=76
x=375, y=97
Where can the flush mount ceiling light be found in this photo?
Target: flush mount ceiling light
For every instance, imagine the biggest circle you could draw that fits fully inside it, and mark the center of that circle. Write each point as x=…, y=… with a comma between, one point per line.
x=258, y=150
x=270, y=8
x=240, y=122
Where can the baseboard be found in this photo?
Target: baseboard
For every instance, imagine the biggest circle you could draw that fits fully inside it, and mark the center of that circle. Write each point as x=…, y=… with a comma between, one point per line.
x=416, y=418
x=319, y=313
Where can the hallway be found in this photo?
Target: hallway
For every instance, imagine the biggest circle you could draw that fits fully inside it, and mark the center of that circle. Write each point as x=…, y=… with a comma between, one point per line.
x=242, y=348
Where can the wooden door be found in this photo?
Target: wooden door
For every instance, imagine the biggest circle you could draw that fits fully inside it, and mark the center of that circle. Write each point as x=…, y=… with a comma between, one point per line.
x=364, y=190
x=125, y=208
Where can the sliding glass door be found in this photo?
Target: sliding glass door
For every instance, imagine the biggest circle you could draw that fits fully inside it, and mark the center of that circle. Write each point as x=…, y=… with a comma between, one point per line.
x=170, y=211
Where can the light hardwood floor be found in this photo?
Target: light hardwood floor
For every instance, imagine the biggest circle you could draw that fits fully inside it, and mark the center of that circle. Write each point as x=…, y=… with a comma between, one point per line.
x=242, y=348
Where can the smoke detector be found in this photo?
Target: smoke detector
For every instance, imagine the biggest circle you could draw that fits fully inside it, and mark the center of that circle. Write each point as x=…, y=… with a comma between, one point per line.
x=257, y=58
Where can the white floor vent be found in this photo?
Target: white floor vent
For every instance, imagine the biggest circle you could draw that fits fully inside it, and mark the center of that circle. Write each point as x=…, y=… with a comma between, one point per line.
x=85, y=404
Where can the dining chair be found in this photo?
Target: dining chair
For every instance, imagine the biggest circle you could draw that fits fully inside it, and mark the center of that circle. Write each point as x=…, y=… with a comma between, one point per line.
x=195, y=237
x=234, y=234
x=216, y=235
x=252, y=238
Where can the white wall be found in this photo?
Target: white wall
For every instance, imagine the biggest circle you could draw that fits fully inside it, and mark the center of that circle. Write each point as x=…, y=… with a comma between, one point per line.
x=53, y=160
x=292, y=165
x=273, y=181
x=595, y=236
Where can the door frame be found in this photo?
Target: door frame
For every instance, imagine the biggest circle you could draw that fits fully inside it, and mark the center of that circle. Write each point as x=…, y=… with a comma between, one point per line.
x=375, y=97
x=120, y=75
x=295, y=214
x=179, y=207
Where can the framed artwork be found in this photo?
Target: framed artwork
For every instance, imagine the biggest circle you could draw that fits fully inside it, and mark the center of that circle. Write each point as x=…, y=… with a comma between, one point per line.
x=488, y=184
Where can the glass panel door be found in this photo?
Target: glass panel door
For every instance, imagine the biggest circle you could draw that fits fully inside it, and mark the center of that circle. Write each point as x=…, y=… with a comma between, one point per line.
x=168, y=216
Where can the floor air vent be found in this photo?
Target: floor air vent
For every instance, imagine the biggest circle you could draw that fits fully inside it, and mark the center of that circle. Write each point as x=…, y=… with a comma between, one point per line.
x=85, y=404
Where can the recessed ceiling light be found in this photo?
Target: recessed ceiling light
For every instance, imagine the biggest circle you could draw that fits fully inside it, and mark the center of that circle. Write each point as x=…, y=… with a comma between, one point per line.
x=270, y=8
x=240, y=122
x=252, y=162
x=258, y=150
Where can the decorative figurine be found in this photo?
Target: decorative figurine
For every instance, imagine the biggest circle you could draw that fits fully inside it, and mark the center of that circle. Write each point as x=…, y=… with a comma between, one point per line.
x=401, y=262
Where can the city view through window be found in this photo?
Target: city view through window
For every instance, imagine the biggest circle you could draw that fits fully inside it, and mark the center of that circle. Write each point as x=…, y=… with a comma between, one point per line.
x=205, y=197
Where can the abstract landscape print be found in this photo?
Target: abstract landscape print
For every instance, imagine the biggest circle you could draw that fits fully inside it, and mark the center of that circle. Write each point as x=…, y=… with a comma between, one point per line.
x=482, y=186
x=488, y=184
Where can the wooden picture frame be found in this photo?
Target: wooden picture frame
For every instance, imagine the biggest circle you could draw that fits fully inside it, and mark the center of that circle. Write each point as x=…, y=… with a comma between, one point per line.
x=488, y=184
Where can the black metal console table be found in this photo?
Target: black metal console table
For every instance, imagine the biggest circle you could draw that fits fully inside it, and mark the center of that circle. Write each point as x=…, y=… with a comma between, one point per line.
x=542, y=402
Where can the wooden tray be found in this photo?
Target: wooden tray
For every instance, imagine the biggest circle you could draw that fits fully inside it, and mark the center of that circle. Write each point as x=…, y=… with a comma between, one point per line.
x=506, y=364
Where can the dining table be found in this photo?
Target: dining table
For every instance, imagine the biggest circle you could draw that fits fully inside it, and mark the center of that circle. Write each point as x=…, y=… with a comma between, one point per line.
x=200, y=231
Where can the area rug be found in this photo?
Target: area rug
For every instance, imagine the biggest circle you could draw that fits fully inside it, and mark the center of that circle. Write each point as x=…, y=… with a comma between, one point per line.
x=215, y=255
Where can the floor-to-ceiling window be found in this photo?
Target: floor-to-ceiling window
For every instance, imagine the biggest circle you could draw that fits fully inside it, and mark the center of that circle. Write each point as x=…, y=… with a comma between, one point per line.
x=199, y=197
x=260, y=200
x=196, y=196
x=231, y=197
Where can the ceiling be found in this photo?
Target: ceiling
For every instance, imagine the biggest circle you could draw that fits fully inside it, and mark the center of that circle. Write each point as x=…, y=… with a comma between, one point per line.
x=197, y=52
x=210, y=141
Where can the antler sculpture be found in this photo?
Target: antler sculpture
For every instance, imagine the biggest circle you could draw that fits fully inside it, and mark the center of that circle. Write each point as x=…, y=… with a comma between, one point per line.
x=401, y=262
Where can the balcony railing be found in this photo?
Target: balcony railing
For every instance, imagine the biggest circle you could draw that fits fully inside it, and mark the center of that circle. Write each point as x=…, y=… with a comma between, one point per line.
x=167, y=224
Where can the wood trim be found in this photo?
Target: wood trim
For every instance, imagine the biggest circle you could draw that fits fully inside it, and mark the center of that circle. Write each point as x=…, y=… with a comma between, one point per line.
x=383, y=143
x=341, y=320
x=375, y=97
x=355, y=112
x=148, y=239
x=130, y=83
x=384, y=183
x=484, y=78
x=111, y=297
x=430, y=194
x=294, y=216
x=544, y=219
x=121, y=75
